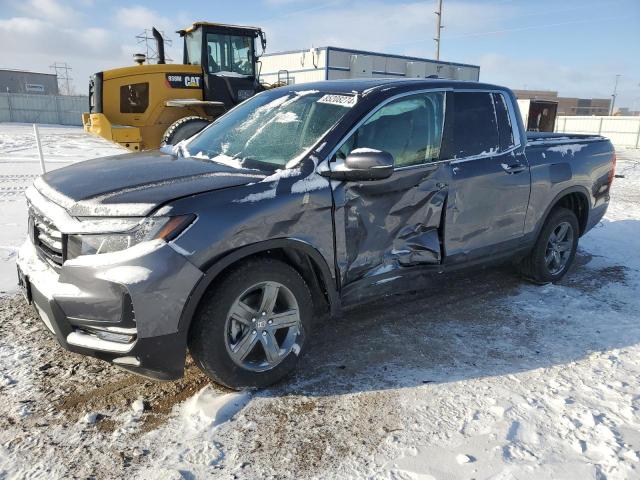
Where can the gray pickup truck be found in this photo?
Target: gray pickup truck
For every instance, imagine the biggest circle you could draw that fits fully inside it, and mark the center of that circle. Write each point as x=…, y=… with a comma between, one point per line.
x=300, y=199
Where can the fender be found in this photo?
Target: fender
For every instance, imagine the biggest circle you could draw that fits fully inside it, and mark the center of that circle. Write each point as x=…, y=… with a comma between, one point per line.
x=566, y=191
x=217, y=267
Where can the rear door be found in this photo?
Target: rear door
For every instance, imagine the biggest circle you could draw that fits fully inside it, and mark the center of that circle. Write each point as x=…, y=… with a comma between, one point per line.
x=490, y=180
x=385, y=227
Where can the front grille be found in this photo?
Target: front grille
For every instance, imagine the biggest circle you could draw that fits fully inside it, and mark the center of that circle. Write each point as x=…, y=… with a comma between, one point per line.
x=47, y=238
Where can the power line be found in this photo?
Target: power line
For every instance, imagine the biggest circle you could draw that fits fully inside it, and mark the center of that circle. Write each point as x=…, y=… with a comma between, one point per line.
x=615, y=94
x=533, y=27
x=150, y=45
x=62, y=75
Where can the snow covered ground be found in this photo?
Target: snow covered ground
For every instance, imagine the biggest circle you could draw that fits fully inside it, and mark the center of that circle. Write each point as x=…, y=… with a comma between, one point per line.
x=20, y=165
x=499, y=379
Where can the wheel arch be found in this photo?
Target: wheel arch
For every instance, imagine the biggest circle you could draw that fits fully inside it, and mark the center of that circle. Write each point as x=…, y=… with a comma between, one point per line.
x=293, y=251
x=574, y=198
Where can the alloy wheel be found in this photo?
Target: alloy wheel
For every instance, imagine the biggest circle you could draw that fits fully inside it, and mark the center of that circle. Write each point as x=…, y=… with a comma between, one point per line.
x=262, y=326
x=559, y=247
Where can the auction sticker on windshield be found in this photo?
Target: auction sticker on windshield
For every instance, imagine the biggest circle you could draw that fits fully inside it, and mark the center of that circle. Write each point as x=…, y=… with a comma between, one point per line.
x=343, y=100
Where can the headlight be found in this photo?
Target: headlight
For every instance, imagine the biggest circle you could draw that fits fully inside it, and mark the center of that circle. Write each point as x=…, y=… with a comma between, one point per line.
x=153, y=228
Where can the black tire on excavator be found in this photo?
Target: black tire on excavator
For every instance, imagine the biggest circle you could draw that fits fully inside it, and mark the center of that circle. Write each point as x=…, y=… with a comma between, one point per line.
x=182, y=129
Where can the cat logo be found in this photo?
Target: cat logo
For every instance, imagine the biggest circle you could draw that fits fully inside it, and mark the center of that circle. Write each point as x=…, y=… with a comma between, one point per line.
x=191, y=81
x=183, y=80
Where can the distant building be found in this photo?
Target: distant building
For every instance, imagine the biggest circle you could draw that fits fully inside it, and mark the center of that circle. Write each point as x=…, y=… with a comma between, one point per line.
x=333, y=63
x=626, y=112
x=19, y=81
x=568, y=105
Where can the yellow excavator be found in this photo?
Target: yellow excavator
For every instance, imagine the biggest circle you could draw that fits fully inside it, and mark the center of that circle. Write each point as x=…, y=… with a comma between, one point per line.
x=144, y=106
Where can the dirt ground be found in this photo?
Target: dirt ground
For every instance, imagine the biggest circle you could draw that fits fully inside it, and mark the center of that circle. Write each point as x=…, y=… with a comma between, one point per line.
x=375, y=351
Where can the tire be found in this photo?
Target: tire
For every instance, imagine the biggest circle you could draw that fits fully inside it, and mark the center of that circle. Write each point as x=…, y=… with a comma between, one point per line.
x=218, y=340
x=182, y=129
x=542, y=265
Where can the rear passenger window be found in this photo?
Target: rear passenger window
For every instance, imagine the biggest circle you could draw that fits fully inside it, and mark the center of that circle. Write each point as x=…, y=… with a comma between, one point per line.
x=505, y=130
x=409, y=128
x=475, y=129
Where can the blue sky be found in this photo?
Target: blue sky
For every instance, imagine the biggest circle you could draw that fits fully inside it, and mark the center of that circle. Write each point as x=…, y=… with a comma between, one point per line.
x=576, y=47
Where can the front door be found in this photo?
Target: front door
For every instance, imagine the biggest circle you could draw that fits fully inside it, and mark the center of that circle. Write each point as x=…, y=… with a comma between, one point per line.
x=385, y=228
x=490, y=180
x=229, y=68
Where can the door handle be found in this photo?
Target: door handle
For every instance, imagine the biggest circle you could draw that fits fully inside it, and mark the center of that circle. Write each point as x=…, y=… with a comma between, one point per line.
x=514, y=167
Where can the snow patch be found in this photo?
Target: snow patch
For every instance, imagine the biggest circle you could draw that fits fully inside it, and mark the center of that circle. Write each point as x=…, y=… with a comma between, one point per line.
x=258, y=197
x=127, y=275
x=43, y=276
x=566, y=149
x=366, y=150
x=210, y=407
x=310, y=183
x=302, y=93
x=221, y=158
x=286, y=117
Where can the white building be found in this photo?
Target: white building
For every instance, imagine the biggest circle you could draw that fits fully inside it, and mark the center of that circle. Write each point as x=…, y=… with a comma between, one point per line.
x=331, y=63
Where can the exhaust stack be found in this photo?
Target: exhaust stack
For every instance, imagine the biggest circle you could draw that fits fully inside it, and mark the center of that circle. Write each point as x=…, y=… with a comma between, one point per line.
x=160, y=42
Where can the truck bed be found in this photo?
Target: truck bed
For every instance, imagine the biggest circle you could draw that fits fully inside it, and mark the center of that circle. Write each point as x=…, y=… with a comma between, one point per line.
x=547, y=138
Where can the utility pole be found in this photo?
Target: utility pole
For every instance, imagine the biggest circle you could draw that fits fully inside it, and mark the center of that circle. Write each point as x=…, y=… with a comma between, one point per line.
x=615, y=94
x=62, y=74
x=439, y=28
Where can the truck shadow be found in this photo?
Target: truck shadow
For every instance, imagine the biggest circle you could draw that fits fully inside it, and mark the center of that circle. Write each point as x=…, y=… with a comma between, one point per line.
x=469, y=325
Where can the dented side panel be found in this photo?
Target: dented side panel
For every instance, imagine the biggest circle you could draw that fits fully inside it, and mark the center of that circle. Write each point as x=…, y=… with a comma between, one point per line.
x=385, y=226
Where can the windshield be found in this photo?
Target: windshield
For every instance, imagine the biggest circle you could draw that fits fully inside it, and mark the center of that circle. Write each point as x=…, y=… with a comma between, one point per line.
x=230, y=54
x=271, y=130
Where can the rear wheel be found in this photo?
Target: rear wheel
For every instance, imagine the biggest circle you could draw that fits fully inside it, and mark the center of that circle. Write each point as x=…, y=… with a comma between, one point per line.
x=251, y=329
x=555, y=248
x=182, y=129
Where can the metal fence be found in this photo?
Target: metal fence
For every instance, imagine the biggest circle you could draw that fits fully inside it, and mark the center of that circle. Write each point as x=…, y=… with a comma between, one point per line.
x=55, y=109
x=622, y=131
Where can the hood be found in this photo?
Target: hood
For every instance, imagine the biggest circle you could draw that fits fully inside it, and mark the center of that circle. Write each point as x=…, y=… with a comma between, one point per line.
x=136, y=184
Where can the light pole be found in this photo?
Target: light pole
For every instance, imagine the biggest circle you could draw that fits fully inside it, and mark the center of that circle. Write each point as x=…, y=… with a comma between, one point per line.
x=614, y=95
x=439, y=28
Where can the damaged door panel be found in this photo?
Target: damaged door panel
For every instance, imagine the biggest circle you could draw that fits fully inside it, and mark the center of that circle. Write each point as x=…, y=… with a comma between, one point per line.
x=393, y=224
x=390, y=224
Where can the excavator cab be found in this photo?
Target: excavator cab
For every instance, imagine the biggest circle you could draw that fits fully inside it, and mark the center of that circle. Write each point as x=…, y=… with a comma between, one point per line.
x=146, y=105
x=227, y=54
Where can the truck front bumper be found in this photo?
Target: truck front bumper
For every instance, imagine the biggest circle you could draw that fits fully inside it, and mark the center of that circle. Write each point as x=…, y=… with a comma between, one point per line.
x=105, y=312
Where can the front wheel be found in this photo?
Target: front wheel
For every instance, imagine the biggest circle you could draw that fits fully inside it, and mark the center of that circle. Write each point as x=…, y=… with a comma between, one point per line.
x=183, y=128
x=555, y=249
x=250, y=329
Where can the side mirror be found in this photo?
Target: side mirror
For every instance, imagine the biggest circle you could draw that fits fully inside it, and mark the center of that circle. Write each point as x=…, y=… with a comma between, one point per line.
x=363, y=164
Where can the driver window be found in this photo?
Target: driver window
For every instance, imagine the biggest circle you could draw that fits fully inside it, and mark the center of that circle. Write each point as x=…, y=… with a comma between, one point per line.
x=242, y=55
x=229, y=53
x=216, y=52
x=409, y=128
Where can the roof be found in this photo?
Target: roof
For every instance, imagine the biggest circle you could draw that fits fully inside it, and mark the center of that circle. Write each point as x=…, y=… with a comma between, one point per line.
x=219, y=25
x=382, y=54
x=26, y=71
x=360, y=85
